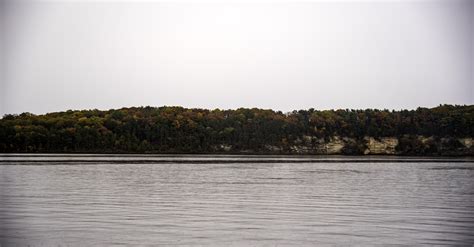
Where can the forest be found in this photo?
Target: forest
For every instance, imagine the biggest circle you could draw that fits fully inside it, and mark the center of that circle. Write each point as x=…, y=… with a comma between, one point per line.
x=171, y=129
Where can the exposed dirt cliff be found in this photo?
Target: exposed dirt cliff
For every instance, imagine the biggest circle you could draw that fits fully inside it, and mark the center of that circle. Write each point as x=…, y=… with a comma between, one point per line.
x=407, y=145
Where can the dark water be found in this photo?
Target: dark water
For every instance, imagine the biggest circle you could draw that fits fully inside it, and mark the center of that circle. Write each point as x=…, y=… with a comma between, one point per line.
x=182, y=200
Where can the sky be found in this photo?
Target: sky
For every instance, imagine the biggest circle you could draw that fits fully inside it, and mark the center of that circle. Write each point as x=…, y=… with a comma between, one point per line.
x=282, y=55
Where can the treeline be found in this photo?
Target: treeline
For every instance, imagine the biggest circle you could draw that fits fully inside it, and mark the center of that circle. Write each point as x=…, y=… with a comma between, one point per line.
x=181, y=130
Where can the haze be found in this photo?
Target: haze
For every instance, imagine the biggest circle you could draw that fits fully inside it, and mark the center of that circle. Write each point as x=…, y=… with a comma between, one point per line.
x=284, y=56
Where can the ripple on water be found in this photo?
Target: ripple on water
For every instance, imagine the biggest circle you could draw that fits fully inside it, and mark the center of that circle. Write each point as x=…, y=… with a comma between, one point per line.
x=219, y=203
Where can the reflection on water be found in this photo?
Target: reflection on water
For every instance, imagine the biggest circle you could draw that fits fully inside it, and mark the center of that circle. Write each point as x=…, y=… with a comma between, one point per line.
x=235, y=203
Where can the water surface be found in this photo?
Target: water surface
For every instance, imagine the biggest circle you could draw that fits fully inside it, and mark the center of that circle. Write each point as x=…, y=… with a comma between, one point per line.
x=87, y=200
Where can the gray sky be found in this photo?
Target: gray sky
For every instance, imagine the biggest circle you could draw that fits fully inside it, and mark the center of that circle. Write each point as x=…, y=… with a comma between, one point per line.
x=284, y=56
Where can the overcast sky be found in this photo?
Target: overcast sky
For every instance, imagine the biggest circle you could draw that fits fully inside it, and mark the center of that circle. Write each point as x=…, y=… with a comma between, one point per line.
x=286, y=55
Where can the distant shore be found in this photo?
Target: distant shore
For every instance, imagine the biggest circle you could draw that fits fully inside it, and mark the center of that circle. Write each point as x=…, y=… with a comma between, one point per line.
x=445, y=130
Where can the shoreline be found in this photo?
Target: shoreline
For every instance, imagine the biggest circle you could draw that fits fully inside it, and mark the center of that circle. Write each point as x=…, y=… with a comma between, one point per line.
x=6, y=159
x=231, y=154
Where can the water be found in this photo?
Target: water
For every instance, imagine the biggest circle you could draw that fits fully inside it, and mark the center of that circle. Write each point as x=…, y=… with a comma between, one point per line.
x=57, y=200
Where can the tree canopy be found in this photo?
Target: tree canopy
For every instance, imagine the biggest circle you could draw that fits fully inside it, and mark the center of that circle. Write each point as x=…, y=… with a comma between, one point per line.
x=181, y=130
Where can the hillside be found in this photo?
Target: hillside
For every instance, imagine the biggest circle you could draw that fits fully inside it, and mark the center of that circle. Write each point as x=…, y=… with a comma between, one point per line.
x=443, y=130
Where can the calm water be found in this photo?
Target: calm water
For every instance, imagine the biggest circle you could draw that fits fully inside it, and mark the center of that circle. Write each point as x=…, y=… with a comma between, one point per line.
x=232, y=200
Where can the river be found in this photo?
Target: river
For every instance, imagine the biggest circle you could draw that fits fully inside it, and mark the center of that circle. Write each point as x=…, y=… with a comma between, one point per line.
x=71, y=200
